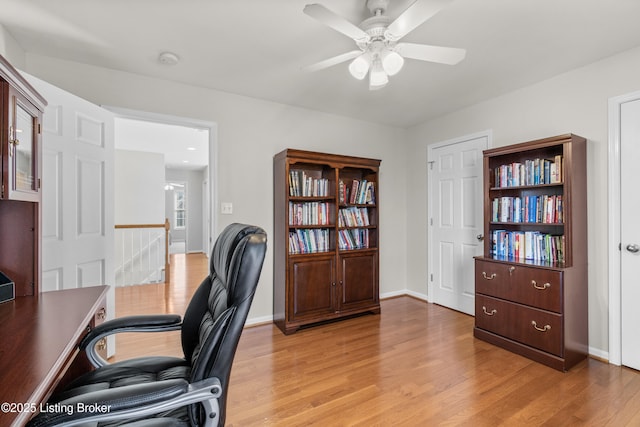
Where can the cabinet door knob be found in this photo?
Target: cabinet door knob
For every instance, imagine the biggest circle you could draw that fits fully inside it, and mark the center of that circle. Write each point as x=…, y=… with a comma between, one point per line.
x=633, y=248
x=493, y=276
x=543, y=287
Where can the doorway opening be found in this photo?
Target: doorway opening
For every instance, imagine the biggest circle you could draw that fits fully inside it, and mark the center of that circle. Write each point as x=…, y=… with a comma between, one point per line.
x=161, y=164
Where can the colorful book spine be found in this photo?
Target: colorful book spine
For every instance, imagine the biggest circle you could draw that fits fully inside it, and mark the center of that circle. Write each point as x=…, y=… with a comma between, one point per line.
x=528, y=246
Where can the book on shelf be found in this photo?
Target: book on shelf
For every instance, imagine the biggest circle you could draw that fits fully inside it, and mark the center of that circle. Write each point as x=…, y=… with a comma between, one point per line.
x=527, y=246
x=303, y=185
x=351, y=239
x=532, y=172
x=361, y=192
x=308, y=241
x=309, y=213
x=543, y=209
x=353, y=217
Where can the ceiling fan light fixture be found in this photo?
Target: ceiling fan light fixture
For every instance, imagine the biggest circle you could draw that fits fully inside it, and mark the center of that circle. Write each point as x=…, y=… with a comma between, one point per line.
x=359, y=67
x=392, y=62
x=377, y=77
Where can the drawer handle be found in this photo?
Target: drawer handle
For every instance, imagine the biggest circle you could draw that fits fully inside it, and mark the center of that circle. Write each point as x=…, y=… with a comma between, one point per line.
x=511, y=270
x=493, y=276
x=489, y=313
x=545, y=328
x=543, y=287
x=102, y=344
x=101, y=314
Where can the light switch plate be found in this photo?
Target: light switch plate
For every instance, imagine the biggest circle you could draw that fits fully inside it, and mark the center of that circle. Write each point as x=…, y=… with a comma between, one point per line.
x=226, y=208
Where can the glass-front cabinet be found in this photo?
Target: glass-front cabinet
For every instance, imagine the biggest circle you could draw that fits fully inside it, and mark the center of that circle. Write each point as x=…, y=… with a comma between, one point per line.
x=21, y=110
x=21, y=174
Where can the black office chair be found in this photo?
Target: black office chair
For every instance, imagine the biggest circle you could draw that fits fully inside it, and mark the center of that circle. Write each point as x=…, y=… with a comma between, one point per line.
x=170, y=391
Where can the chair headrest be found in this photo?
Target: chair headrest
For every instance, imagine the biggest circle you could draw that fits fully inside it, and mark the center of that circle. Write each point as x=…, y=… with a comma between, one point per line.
x=225, y=246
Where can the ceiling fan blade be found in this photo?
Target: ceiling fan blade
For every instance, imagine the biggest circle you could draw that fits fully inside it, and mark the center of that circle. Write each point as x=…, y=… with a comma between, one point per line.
x=424, y=52
x=414, y=16
x=332, y=61
x=337, y=22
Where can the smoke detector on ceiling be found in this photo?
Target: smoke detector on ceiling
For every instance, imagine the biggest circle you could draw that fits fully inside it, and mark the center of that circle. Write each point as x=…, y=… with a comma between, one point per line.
x=168, y=58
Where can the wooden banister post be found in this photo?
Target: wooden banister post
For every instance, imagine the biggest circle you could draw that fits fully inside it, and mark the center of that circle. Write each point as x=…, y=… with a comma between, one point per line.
x=167, y=264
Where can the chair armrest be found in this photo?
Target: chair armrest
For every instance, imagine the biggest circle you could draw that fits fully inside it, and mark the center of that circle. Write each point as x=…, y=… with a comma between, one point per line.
x=132, y=401
x=150, y=323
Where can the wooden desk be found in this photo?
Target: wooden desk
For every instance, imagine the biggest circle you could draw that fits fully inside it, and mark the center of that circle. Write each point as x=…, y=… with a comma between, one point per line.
x=39, y=339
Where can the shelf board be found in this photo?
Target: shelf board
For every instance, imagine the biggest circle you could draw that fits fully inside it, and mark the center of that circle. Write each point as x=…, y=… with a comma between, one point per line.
x=311, y=226
x=527, y=262
x=534, y=224
x=527, y=187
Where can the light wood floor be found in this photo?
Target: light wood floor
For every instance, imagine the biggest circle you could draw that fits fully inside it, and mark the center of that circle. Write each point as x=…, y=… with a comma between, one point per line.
x=416, y=364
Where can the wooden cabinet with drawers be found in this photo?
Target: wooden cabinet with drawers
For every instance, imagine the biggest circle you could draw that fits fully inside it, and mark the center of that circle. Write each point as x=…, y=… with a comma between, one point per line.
x=531, y=283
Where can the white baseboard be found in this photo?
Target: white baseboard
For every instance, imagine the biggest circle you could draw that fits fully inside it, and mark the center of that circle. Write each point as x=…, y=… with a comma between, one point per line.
x=254, y=321
x=599, y=354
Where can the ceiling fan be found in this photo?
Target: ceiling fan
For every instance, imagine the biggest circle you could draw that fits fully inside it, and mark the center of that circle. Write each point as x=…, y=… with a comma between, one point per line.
x=379, y=53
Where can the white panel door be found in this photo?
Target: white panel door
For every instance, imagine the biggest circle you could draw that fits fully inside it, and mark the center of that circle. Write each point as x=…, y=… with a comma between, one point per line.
x=455, y=206
x=630, y=232
x=77, y=193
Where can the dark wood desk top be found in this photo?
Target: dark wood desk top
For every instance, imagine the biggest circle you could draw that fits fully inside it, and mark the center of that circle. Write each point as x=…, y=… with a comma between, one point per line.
x=38, y=338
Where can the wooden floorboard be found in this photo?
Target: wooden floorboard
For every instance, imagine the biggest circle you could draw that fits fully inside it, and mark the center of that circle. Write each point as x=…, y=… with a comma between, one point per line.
x=414, y=364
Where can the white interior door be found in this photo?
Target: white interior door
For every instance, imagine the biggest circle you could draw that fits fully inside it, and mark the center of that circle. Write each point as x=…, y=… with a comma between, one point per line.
x=77, y=193
x=630, y=231
x=455, y=223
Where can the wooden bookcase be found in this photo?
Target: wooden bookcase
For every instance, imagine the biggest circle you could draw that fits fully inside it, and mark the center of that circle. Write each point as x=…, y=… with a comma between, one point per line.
x=326, y=238
x=531, y=282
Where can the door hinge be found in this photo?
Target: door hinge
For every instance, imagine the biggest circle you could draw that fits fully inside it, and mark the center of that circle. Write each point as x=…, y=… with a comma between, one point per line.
x=2, y=195
x=431, y=277
x=430, y=221
x=39, y=128
x=39, y=184
x=431, y=164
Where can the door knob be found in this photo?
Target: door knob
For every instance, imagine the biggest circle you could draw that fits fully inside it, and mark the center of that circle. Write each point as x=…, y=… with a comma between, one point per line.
x=633, y=248
x=480, y=237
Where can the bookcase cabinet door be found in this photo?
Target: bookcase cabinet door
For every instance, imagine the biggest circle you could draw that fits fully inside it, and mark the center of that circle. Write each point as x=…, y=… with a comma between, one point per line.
x=313, y=287
x=358, y=284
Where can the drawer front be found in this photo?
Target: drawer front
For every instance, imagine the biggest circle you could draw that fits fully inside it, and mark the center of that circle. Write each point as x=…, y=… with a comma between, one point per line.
x=536, y=287
x=530, y=326
x=493, y=279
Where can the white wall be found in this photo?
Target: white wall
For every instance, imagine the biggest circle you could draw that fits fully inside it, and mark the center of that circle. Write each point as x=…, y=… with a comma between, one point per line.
x=195, y=230
x=250, y=132
x=139, y=187
x=575, y=102
x=10, y=49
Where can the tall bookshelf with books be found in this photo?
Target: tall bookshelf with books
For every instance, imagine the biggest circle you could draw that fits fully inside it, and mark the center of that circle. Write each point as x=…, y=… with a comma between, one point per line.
x=531, y=281
x=325, y=238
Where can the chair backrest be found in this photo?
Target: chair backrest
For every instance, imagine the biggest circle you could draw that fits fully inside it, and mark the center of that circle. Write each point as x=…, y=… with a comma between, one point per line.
x=218, y=310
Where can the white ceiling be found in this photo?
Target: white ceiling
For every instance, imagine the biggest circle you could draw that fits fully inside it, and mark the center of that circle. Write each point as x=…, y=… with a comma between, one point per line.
x=183, y=147
x=256, y=47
